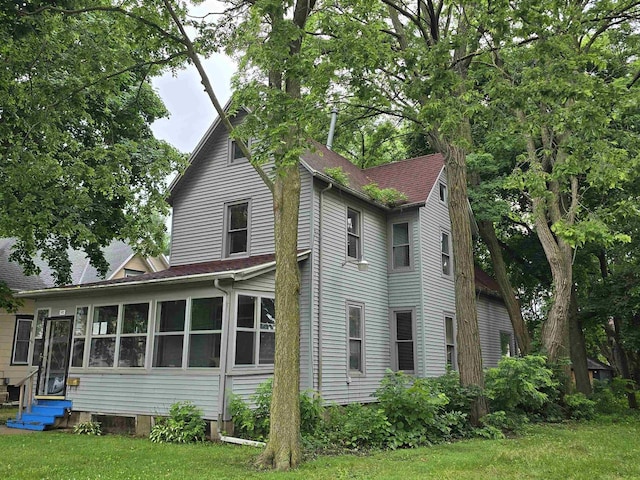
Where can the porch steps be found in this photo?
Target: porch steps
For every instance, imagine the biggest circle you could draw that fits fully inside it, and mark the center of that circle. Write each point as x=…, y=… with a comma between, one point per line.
x=43, y=414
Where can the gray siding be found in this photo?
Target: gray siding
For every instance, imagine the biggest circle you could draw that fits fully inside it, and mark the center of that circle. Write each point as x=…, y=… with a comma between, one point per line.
x=198, y=206
x=493, y=318
x=438, y=289
x=150, y=394
x=342, y=283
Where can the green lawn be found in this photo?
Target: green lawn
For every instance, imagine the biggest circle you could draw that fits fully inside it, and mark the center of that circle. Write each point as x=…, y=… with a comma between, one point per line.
x=573, y=451
x=7, y=413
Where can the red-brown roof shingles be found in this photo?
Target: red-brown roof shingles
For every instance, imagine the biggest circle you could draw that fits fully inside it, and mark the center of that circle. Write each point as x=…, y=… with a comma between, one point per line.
x=414, y=177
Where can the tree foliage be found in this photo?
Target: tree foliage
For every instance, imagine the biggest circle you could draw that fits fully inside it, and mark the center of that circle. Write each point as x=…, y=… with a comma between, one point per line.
x=80, y=166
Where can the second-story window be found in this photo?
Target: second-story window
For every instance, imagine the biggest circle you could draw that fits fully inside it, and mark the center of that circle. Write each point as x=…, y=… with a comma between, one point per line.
x=401, y=251
x=354, y=243
x=237, y=224
x=446, y=254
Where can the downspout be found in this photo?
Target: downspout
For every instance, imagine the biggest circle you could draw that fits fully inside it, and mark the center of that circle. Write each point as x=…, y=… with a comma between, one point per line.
x=320, y=286
x=311, y=289
x=224, y=352
x=423, y=321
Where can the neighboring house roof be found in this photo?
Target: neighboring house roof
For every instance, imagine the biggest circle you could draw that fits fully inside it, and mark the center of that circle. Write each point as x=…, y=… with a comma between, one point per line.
x=593, y=364
x=415, y=177
x=486, y=284
x=236, y=269
x=117, y=254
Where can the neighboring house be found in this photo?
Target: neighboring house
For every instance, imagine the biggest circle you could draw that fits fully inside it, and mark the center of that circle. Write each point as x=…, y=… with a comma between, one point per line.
x=377, y=292
x=19, y=342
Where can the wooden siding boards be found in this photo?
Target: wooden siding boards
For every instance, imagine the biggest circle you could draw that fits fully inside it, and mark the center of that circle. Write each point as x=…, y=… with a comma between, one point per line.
x=438, y=289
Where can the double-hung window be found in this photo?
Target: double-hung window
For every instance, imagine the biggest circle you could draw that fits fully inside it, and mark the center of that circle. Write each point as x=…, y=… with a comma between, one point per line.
x=450, y=341
x=355, y=329
x=133, y=335
x=206, y=332
x=443, y=193
x=255, y=330
x=400, y=246
x=506, y=344
x=404, y=340
x=21, y=340
x=354, y=237
x=446, y=254
x=79, y=336
x=104, y=328
x=237, y=229
x=169, y=335
x=38, y=336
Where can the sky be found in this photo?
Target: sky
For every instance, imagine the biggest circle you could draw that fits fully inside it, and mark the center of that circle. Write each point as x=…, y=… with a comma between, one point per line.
x=191, y=111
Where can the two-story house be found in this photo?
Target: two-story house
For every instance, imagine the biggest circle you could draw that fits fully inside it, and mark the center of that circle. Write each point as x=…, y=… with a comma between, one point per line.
x=377, y=292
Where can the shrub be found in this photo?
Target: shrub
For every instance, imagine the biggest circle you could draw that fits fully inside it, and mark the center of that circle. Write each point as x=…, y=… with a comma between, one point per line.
x=504, y=421
x=610, y=397
x=184, y=425
x=337, y=174
x=417, y=411
x=521, y=385
x=88, y=428
x=460, y=397
x=354, y=427
x=253, y=423
x=579, y=407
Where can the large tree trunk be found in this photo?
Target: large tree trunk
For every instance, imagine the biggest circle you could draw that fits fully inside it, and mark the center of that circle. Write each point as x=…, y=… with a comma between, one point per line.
x=555, y=330
x=578, y=348
x=468, y=334
x=283, y=449
x=488, y=234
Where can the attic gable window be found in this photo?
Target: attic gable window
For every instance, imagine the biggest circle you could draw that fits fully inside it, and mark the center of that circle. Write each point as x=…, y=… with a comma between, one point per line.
x=235, y=153
x=354, y=244
x=443, y=192
x=237, y=229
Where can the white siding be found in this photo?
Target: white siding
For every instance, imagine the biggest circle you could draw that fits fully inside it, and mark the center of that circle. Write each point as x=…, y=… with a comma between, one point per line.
x=493, y=318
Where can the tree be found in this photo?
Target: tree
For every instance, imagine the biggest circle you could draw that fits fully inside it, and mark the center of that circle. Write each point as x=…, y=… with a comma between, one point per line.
x=80, y=166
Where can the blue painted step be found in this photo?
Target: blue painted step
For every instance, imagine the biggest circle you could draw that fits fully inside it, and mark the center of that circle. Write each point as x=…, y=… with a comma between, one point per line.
x=43, y=414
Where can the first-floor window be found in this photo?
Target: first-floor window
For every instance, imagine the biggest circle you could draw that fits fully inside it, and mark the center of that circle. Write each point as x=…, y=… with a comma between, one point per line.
x=403, y=337
x=79, y=336
x=21, y=340
x=206, y=332
x=505, y=344
x=255, y=330
x=450, y=341
x=133, y=335
x=169, y=337
x=355, y=322
x=103, y=336
x=38, y=336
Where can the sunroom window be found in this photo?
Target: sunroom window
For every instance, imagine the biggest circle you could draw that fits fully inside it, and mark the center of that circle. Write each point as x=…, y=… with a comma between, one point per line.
x=255, y=330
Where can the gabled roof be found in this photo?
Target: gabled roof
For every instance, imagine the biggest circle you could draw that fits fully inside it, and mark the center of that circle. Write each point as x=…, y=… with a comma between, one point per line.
x=116, y=254
x=235, y=269
x=486, y=284
x=415, y=177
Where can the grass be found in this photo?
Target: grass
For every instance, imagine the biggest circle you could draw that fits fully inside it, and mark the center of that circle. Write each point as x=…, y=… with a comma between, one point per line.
x=6, y=413
x=571, y=451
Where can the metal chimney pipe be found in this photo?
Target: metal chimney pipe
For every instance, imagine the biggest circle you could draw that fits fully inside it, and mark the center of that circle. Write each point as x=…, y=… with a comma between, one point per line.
x=332, y=127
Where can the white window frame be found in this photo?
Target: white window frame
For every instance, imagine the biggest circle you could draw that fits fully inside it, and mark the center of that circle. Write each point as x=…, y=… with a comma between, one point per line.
x=230, y=151
x=447, y=254
x=394, y=337
x=256, y=329
x=353, y=304
x=38, y=337
x=357, y=234
x=443, y=193
x=76, y=336
x=226, y=244
x=99, y=335
x=21, y=318
x=404, y=268
x=454, y=331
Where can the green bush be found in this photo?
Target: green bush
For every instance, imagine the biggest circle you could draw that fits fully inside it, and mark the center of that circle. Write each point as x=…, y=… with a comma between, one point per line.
x=184, y=425
x=253, y=423
x=460, y=397
x=522, y=385
x=579, y=407
x=417, y=411
x=611, y=397
x=353, y=427
x=88, y=428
